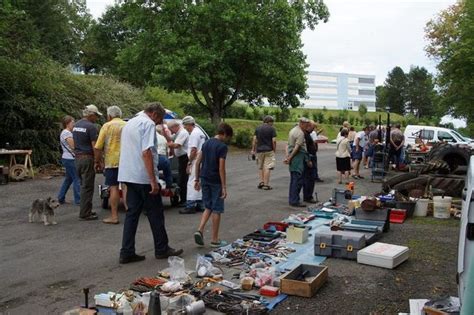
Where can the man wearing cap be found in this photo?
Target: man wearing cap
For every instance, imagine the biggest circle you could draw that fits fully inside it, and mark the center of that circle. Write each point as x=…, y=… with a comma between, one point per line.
x=108, y=145
x=139, y=171
x=180, y=149
x=195, y=142
x=264, y=145
x=297, y=158
x=85, y=135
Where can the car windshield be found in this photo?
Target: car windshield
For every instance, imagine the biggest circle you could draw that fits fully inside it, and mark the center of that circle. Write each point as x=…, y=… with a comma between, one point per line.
x=461, y=136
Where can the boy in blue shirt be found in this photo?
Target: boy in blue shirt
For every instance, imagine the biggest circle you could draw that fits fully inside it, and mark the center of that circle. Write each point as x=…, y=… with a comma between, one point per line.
x=211, y=178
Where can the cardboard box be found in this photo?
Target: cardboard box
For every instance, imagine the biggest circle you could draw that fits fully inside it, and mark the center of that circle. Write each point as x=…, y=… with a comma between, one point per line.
x=297, y=235
x=314, y=279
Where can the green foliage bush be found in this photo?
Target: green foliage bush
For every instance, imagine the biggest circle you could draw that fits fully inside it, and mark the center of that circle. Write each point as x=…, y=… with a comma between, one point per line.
x=208, y=126
x=243, y=138
x=35, y=93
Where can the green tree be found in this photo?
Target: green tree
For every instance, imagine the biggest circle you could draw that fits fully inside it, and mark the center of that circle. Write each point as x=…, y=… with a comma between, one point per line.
x=362, y=110
x=420, y=93
x=380, y=98
x=60, y=25
x=104, y=39
x=221, y=51
x=451, y=43
x=395, y=86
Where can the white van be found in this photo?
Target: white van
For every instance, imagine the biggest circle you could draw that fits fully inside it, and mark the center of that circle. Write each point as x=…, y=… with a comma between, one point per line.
x=433, y=134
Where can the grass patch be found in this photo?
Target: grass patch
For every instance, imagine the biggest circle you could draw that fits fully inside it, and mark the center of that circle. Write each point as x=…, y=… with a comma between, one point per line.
x=434, y=221
x=334, y=113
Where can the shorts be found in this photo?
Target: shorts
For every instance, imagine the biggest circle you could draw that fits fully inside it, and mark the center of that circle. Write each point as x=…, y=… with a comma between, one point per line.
x=211, y=196
x=266, y=160
x=343, y=164
x=357, y=155
x=111, y=176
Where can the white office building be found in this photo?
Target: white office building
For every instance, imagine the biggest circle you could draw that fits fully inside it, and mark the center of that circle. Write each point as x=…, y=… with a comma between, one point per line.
x=340, y=91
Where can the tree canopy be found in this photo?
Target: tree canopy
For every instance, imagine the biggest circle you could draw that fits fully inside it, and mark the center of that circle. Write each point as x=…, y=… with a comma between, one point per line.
x=395, y=86
x=451, y=44
x=219, y=51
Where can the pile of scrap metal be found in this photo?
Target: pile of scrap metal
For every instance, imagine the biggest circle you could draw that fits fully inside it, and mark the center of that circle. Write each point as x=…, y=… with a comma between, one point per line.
x=442, y=173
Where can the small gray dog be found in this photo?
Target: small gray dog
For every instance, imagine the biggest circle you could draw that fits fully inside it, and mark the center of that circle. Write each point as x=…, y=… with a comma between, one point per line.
x=44, y=208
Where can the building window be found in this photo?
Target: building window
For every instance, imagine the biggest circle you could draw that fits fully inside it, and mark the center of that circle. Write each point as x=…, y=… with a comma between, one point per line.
x=366, y=92
x=350, y=105
x=366, y=80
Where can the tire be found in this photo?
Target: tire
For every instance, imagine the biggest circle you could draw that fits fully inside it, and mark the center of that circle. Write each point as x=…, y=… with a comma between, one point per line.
x=435, y=166
x=454, y=156
x=419, y=182
x=18, y=172
x=105, y=203
x=391, y=182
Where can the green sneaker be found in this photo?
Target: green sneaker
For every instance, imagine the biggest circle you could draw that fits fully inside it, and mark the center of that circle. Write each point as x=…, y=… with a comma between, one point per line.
x=198, y=239
x=221, y=243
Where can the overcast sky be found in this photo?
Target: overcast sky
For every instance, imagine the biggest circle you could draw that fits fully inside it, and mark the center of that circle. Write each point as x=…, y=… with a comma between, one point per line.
x=362, y=36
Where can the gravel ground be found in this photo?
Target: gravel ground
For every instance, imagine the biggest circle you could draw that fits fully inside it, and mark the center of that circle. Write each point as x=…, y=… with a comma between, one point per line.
x=43, y=269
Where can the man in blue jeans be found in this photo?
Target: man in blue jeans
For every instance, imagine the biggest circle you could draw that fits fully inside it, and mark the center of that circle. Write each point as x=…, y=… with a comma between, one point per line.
x=211, y=179
x=138, y=166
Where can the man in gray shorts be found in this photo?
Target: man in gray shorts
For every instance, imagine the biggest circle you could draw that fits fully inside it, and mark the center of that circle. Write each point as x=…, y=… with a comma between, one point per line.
x=264, y=145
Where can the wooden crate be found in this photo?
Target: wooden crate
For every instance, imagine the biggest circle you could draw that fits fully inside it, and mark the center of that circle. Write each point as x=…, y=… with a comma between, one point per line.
x=317, y=276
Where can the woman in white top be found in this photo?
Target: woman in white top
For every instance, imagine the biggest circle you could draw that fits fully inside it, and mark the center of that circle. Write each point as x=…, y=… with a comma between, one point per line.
x=68, y=161
x=343, y=156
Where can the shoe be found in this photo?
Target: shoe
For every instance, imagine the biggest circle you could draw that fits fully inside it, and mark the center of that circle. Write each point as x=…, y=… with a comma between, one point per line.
x=181, y=204
x=170, y=252
x=356, y=176
x=299, y=205
x=198, y=239
x=319, y=180
x=188, y=211
x=90, y=217
x=312, y=200
x=221, y=243
x=111, y=221
x=131, y=259
x=361, y=177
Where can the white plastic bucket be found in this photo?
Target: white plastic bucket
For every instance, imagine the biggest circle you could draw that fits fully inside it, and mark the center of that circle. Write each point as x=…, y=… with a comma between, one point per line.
x=421, y=208
x=441, y=207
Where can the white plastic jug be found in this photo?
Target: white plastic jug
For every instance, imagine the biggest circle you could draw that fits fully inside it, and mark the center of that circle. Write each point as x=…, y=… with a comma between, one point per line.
x=441, y=207
x=421, y=208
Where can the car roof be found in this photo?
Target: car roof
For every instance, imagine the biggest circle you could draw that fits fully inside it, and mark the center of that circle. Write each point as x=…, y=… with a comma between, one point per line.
x=426, y=127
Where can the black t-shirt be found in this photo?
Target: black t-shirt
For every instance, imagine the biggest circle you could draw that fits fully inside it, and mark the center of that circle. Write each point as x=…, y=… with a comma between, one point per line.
x=265, y=134
x=212, y=151
x=83, y=133
x=310, y=146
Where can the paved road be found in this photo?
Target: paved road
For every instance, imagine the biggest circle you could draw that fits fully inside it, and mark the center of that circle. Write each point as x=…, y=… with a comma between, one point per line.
x=42, y=269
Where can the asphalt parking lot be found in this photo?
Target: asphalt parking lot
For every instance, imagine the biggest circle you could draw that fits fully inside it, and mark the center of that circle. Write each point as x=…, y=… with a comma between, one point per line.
x=44, y=268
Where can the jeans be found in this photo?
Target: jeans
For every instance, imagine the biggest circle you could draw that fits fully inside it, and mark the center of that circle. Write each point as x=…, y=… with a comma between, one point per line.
x=165, y=166
x=309, y=180
x=296, y=183
x=183, y=177
x=138, y=199
x=197, y=204
x=86, y=173
x=70, y=178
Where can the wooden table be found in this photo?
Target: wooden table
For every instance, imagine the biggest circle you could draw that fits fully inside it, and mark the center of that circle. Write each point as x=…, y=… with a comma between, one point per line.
x=19, y=171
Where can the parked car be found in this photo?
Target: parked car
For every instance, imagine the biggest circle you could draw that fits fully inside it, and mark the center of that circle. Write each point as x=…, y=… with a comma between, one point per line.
x=433, y=135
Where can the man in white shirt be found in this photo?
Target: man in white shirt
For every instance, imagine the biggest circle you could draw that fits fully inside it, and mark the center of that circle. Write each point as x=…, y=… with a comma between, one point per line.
x=180, y=148
x=195, y=142
x=138, y=167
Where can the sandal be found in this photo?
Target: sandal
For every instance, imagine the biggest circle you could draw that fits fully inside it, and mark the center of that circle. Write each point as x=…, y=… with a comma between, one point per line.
x=220, y=243
x=266, y=187
x=198, y=239
x=111, y=221
x=260, y=185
